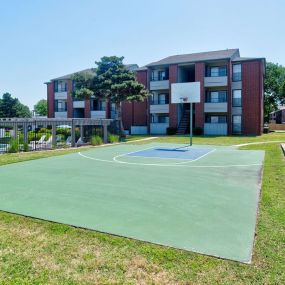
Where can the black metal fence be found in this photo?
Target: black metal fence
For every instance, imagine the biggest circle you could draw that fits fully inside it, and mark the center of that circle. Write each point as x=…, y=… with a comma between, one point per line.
x=35, y=135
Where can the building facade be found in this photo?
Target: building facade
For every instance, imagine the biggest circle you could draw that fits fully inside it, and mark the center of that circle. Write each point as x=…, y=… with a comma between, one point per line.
x=231, y=96
x=278, y=117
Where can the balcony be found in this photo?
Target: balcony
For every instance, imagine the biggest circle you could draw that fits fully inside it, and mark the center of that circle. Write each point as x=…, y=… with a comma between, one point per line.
x=215, y=81
x=60, y=95
x=60, y=114
x=98, y=114
x=159, y=84
x=158, y=128
x=159, y=106
x=216, y=129
x=79, y=104
x=216, y=107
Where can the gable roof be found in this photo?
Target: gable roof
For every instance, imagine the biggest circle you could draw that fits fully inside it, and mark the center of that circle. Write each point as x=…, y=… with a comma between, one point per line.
x=194, y=57
x=91, y=71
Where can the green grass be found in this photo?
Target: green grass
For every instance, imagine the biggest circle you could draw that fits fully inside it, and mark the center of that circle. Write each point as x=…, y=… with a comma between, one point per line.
x=38, y=252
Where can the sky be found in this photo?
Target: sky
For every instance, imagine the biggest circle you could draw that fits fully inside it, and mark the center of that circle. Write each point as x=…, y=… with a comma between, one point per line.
x=44, y=39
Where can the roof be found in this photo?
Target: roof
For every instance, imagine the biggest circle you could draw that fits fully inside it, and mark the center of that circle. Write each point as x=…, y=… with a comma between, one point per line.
x=247, y=58
x=201, y=56
x=91, y=71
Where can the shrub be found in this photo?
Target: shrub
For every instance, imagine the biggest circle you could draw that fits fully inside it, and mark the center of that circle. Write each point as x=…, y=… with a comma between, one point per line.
x=64, y=131
x=14, y=146
x=96, y=140
x=198, y=131
x=171, y=131
x=25, y=147
x=113, y=138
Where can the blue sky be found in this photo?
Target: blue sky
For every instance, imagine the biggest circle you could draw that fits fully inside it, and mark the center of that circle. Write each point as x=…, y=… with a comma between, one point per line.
x=44, y=39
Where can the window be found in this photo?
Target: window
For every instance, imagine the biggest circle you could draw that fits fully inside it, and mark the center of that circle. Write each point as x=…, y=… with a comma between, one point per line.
x=216, y=96
x=98, y=105
x=236, y=124
x=158, y=75
x=60, y=86
x=216, y=119
x=60, y=106
x=161, y=75
x=215, y=71
x=160, y=99
x=160, y=118
x=237, y=72
x=236, y=98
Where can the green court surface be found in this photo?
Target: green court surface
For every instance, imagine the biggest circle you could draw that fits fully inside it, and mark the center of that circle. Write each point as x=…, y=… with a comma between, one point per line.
x=206, y=203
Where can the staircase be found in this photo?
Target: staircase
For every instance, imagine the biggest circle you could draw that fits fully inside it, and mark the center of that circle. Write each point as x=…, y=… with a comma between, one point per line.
x=184, y=123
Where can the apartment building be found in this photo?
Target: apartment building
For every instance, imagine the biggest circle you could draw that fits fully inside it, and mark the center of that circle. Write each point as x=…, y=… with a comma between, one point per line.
x=62, y=105
x=231, y=96
x=278, y=116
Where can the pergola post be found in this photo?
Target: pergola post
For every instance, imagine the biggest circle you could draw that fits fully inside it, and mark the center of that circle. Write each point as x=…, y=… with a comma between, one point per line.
x=15, y=129
x=105, y=133
x=81, y=132
x=73, y=134
x=25, y=131
x=53, y=133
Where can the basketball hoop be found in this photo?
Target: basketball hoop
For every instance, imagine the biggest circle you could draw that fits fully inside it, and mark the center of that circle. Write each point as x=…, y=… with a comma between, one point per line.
x=183, y=99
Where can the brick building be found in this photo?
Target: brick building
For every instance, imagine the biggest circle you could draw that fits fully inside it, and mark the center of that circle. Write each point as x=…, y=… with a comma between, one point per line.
x=231, y=96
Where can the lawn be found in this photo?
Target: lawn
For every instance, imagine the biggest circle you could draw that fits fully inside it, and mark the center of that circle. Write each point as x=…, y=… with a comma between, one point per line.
x=38, y=252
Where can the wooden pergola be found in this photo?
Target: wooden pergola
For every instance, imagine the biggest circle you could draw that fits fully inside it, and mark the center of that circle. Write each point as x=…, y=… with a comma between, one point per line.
x=24, y=123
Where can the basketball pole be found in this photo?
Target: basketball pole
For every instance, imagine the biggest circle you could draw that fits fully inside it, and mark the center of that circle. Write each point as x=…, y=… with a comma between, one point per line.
x=191, y=123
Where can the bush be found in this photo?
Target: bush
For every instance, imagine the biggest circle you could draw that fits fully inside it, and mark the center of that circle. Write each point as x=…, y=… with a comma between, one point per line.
x=96, y=140
x=14, y=146
x=171, y=131
x=64, y=131
x=113, y=138
x=198, y=131
x=25, y=147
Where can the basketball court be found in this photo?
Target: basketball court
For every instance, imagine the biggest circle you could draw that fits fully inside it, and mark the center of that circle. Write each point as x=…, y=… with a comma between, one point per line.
x=201, y=198
x=197, y=198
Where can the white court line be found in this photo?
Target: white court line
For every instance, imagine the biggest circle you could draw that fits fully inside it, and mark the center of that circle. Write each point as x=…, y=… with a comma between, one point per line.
x=168, y=165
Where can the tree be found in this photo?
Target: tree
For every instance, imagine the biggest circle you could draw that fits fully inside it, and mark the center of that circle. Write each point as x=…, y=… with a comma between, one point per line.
x=274, y=88
x=12, y=108
x=112, y=82
x=41, y=108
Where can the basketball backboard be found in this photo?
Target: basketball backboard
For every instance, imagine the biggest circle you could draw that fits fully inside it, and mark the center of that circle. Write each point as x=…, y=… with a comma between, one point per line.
x=188, y=92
